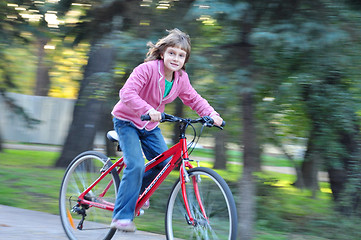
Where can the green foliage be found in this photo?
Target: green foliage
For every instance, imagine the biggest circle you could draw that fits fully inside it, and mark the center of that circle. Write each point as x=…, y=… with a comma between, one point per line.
x=224, y=10
x=308, y=71
x=285, y=212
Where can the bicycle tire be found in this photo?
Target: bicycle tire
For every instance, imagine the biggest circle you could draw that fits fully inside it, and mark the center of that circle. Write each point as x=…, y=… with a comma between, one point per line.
x=80, y=174
x=218, y=203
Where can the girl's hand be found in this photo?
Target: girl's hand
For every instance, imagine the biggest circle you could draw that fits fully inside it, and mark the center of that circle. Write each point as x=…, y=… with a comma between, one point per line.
x=155, y=116
x=217, y=120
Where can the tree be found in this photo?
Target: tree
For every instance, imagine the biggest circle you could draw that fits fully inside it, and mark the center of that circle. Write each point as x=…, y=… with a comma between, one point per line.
x=311, y=99
x=334, y=140
x=235, y=19
x=97, y=80
x=90, y=103
x=42, y=84
x=290, y=47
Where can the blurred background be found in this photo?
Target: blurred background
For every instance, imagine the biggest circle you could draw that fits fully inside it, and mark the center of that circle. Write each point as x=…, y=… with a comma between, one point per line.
x=284, y=74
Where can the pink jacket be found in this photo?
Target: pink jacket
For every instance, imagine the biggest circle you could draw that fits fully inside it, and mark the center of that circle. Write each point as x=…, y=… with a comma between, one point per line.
x=144, y=91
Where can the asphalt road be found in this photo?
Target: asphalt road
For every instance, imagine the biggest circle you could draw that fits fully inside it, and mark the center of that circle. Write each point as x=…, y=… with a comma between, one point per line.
x=22, y=224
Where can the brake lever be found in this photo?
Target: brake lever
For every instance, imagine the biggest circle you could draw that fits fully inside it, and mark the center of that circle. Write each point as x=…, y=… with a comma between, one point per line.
x=209, y=122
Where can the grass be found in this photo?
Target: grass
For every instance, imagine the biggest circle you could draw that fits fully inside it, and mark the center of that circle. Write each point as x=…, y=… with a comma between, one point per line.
x=29, y=181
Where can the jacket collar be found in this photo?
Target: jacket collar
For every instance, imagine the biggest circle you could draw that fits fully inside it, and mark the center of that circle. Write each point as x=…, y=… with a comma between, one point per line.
x=161, y=70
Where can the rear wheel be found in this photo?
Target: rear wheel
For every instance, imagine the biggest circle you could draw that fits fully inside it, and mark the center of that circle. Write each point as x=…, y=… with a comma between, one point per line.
x=80, y=174
x=218, y=204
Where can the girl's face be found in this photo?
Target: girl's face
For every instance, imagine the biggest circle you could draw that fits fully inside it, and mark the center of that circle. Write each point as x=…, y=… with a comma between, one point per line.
x=174, y=59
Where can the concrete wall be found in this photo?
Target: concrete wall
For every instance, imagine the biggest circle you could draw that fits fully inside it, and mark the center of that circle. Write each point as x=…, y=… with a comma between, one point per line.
x=55, y=115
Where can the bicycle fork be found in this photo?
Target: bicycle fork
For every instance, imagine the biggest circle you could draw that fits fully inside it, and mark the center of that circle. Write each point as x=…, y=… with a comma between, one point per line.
x=195, y=180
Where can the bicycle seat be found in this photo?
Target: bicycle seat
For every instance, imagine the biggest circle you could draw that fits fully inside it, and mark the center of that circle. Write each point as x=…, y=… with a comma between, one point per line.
x=112, y=136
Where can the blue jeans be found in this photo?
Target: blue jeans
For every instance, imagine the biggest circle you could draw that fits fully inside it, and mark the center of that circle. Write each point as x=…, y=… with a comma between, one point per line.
x=132, y=141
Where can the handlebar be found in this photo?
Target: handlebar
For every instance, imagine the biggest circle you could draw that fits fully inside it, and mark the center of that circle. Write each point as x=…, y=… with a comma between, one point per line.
x=208, y=121
x=146, y=117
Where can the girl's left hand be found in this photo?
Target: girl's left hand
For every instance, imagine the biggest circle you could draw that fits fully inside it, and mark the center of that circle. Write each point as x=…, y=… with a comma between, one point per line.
x=217, y=120
x=155, y=116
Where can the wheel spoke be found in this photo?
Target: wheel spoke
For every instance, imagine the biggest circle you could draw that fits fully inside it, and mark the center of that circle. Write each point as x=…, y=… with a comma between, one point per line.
x=81, y=173
x=220, y=219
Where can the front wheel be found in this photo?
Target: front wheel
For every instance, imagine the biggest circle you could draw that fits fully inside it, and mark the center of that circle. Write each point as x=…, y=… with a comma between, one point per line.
x=217, y=220
x=80, y=174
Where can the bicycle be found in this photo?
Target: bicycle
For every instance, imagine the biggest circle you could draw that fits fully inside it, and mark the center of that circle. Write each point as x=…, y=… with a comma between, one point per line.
x=200, y=204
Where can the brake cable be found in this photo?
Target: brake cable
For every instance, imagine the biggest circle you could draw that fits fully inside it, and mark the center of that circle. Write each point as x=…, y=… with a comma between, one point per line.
x=195, y=136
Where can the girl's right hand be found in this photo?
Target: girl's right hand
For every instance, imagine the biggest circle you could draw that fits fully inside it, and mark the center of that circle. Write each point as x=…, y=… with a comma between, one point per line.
x=217, y=120
x=155, y=116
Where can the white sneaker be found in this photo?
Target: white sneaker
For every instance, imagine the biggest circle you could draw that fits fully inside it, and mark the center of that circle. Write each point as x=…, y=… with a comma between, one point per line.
x=125, y=225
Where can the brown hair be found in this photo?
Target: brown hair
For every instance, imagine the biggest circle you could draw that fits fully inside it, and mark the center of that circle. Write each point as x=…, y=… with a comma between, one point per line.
x=175, y=38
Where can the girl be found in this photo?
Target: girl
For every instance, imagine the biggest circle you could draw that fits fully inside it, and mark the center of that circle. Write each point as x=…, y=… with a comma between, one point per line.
x=154, y=83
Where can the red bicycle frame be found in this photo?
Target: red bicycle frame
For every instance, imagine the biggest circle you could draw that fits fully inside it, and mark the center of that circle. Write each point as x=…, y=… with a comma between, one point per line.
x=179, y=154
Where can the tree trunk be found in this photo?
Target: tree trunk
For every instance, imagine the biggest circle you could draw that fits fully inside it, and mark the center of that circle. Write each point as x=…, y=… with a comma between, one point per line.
x=310, y=167
x=345, y=182
x=247, y=205
x=1, y=142
x=312, y=158
x=309, y=170
x=107, y=125
x=88, y=108
x=338, y=179
x=220, y=150
x=349, y=202
x=250, y=159
x=299, y=182
x=42, y=85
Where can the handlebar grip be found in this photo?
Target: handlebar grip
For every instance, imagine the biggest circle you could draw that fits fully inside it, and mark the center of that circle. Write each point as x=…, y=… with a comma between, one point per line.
x=145, y=117
x=223, y=124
